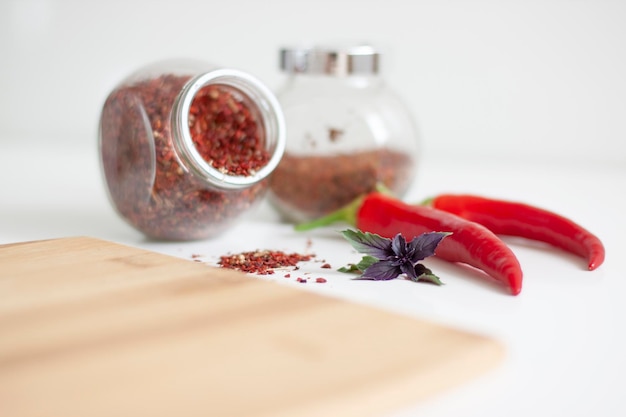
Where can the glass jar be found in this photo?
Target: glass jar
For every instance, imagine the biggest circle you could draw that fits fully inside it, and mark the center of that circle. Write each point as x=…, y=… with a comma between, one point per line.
x=347, y=132
x=186, y=147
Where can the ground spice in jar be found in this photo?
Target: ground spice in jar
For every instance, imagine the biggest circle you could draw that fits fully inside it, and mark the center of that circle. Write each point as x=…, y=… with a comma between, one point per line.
x=313, y=186
x=262, y=262
x=225, y=132
x=148, y=182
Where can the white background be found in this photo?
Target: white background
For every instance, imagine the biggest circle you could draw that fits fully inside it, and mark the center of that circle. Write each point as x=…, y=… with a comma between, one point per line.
x=522, y=100
x=532, y=79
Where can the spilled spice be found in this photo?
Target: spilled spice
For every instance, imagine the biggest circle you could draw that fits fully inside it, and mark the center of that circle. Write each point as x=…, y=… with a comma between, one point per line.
x=262, y=262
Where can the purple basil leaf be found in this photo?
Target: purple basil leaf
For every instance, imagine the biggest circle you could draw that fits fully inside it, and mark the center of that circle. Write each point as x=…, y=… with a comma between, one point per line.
x=381, y=271
x=398, y=245
x=424, y=245
x=386, y=259
x=409, y=270
x=369, y=243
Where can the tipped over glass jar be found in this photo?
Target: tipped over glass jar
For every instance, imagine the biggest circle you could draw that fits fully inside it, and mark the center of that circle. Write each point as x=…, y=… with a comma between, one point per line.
x=347, y=132
x=186, y=147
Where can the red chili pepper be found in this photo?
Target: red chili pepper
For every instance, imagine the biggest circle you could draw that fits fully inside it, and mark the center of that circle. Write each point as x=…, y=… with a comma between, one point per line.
x=526, y=221
x=469, y=243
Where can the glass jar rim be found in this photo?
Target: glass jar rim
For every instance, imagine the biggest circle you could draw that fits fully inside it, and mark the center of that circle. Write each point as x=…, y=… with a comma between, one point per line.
x=271, y=115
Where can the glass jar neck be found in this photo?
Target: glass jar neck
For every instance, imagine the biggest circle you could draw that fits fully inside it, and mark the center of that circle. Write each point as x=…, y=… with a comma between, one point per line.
x=266, y=107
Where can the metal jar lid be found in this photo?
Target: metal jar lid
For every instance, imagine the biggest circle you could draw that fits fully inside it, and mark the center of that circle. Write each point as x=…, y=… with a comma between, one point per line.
x=360, y=59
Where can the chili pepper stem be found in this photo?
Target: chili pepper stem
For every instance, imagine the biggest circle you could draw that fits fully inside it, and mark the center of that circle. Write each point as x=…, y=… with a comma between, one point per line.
x=383, y=189
x=345, y=214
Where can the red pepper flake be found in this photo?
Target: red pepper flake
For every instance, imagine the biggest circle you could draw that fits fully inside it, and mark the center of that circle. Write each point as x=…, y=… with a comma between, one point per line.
x=320, y=280
x=262, y=262
x=287, y=275
x=301, y=280
x=225, y=132
x=326, y=266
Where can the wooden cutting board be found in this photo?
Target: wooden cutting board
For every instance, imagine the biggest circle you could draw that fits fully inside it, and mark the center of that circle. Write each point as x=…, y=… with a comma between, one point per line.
x=90, y=328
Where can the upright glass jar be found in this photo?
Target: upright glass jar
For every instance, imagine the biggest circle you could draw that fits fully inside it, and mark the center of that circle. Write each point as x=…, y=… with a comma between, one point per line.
x=347, y=132
x=187, y=147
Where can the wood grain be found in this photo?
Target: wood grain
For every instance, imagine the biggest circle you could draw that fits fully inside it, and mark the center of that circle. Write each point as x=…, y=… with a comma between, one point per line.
x=91, y=328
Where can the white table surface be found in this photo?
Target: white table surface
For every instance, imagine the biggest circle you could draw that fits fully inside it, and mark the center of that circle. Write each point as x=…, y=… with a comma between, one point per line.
x=564, y=334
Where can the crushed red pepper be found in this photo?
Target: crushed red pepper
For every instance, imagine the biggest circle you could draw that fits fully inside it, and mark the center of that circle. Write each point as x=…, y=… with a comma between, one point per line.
x=225, y=132
x=262, y=262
